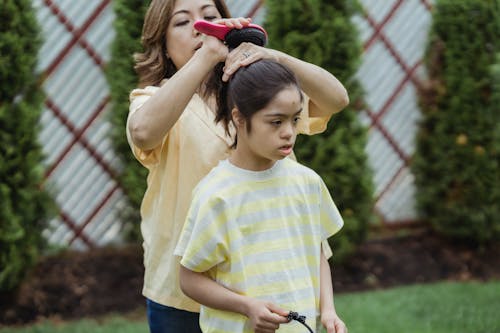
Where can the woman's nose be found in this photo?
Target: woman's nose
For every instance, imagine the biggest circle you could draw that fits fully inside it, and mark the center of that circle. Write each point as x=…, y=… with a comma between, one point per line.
x=196, y=33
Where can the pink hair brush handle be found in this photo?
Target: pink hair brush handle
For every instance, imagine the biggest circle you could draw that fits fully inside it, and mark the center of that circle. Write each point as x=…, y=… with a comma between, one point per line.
x=212, y=29
x=252, y=33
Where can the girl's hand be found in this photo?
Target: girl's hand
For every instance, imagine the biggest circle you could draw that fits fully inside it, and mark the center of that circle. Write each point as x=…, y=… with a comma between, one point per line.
x=265, y=317
x=332, y=322
x=244, y=55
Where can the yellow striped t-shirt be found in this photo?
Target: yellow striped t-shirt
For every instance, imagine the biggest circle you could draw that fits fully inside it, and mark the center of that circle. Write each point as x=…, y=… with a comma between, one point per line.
x=259, y=234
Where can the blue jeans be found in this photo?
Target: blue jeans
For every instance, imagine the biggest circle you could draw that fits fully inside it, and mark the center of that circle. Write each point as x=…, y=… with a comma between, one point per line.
x=165, y=319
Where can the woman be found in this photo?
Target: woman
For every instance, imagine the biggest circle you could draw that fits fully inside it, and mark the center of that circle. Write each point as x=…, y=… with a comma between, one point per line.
x=172, y=132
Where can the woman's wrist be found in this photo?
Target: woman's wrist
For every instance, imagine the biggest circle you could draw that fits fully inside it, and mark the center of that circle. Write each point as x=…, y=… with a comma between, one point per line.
x=277, y=56
x=206, y=58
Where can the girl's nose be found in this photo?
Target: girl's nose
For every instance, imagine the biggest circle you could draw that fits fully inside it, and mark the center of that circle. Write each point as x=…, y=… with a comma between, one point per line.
x=288, y=131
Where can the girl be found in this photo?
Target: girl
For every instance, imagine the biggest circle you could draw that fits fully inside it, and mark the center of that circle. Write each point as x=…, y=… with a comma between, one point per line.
x=258, y=219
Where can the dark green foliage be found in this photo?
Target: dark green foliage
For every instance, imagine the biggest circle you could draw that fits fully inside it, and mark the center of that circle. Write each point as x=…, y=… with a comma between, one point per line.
x=122, y=79
x=25, y=207
x=320, y=32
x=457, y=162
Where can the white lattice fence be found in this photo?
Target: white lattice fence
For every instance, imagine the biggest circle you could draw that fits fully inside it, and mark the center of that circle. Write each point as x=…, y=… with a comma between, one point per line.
x=394, y=34
x=79, y=155
x=82, y=165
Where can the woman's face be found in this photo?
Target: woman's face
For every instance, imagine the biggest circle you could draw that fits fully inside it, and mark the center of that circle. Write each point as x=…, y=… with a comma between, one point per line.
x=182, y=39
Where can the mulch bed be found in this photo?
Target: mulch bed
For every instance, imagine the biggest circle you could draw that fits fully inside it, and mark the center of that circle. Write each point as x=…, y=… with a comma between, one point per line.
x=109, y=280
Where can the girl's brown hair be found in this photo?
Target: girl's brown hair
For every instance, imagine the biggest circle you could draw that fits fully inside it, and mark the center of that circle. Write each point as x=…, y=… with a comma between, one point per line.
x=252, y=88
x=152, y=65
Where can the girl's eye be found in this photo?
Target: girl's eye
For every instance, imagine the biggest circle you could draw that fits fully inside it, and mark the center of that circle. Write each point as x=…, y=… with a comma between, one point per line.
x=296, y=120
x=210, y=18
x=276, y=122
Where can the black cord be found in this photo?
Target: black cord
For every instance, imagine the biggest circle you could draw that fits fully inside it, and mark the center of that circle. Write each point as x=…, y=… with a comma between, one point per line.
x=301, y=319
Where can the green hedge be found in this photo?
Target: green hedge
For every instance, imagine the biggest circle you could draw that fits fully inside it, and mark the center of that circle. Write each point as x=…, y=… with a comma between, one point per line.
x=322, y=33
x=122, y=79
x=457, y=161
x=25, y=207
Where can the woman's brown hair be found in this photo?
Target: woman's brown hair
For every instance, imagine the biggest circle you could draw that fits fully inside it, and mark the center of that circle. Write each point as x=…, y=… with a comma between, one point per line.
x=152, y=65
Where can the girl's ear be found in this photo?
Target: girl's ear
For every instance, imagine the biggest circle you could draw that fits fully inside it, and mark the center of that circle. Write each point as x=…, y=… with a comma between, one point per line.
x=238, y=119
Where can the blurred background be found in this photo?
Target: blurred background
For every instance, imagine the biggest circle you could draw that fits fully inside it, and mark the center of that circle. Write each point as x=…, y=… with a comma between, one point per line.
x=80, y=157
x=413, y=163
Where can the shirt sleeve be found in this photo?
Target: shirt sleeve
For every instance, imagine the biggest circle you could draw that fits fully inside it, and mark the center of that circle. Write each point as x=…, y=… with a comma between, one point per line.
x=327, y=250
x=137, y=99
x=202, y=243
x=311, y=125
x=331, y=220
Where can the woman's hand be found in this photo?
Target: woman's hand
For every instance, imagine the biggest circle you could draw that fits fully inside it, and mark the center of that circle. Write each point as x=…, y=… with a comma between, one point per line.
x=237, y=22
x=212, y=50
x=244, y=55
x=212, y=47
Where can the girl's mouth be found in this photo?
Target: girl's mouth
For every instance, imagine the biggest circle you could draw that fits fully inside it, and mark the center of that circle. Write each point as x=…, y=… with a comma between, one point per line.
x=286, y=150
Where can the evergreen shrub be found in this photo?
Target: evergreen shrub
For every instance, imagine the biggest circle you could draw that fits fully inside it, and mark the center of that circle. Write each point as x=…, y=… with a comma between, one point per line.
x=457, y=161
x=321, y=32
x=122, y=79
x=25, y=207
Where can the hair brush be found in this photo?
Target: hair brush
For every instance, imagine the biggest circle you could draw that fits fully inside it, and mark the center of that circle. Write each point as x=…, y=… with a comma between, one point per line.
x=233, y=37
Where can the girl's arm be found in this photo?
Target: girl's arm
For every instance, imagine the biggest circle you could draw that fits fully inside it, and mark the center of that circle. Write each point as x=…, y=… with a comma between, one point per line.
x=326, y=92
x=264, y=316
x=329, y=317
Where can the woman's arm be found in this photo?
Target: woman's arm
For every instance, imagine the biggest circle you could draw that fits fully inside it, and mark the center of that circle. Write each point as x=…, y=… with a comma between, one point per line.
x=329, y=317
x=326, y=92
x=264, y=316
x=151, y=122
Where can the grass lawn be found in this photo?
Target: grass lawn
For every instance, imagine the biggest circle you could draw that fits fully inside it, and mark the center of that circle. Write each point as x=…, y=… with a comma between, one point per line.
x=112, y=324
x=437, y=308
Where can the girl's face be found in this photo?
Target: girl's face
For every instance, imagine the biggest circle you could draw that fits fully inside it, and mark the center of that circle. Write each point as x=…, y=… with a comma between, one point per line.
x=273, y=131
x=182, y=39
